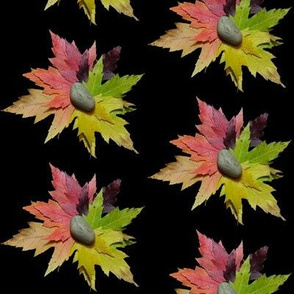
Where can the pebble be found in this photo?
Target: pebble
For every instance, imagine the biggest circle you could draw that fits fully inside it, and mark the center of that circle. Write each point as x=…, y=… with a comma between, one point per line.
x=228, y=32
x=81, y=231
x=81, y=97
x=225, y=288
x=228, y=164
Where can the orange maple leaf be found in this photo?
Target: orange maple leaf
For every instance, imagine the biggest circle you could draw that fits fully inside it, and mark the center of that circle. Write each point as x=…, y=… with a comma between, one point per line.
x=203, y=16
x=203, y=150
x=54, y=231
x=68, y=66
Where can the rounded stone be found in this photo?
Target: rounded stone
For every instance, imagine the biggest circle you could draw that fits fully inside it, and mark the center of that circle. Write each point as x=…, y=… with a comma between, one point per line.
x=228, y=164
x=81, y=98
x=228, y=32
x=81, y=231
x=225, y=288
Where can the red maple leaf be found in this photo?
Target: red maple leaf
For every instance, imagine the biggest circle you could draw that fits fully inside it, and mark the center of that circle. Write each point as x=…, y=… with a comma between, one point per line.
x=67, y=63
x=203, y=16
x=204, y=147
x=68, y=67
x=57, y=213
x=213, y=265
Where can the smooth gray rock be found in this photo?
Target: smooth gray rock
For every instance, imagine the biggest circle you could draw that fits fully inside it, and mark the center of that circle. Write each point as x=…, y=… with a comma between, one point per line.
x=228, y=164
x=225, y=288
x=228, y=32
x=81, y=97
x=81, y=231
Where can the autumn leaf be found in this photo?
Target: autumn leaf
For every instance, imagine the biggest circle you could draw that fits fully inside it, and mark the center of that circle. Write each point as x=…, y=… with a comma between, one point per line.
x=261, y=285
x=55, y=229
x=256, y=172
x=217, y=267
x=109, y=195
x=89, y=7
x=202, y=32
x=110, y=60
x=256, y=262
x=109, y=105
x=243, y=149
x=109, y=238
x=70, y=68
x=213, y=263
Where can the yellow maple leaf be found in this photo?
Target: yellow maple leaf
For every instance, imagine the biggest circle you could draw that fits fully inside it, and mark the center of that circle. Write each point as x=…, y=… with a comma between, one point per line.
x=251, y=54
x=251, y=187
x=89, y=7
x=103, y=253
x=103, y=120
x=121, y=6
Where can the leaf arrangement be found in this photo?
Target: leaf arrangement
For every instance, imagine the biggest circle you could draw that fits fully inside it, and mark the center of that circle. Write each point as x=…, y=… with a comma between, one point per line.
x=107, y=89
x=89, y=7
x=227, y=155
x=225, y=273
x=243, y=145
x=70, y=200
x=201, y=32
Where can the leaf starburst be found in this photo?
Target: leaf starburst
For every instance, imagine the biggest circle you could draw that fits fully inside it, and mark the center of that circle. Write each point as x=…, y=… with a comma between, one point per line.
x=254, y=157
x=54, y=228
x=201, y=32
x=107, y=89
x=221, y=272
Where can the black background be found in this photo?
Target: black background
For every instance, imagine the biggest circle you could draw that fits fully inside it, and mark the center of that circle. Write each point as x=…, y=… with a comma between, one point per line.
x=166, y=107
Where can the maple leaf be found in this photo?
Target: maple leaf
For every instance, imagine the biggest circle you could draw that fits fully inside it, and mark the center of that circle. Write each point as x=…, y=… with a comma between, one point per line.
x=213, y=268
x=217, y=133
x=109, y=195
x=262, y=285
x=69, y=66
x=256, y=262
x=256, y=38
x=256, y=171
x=201, y=33
x=89, y=7
x=230, y=6
x=69, y=200
x=206, y=277
x=109, y=62
x=109, y=238
x=109, y=105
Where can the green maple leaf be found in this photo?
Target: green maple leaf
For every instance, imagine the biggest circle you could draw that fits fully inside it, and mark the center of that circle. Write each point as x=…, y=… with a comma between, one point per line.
x=109, y=104
x=95, y=211
x=263, y=285
x=115, y=220
x=263, y=153
x=263, y=20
